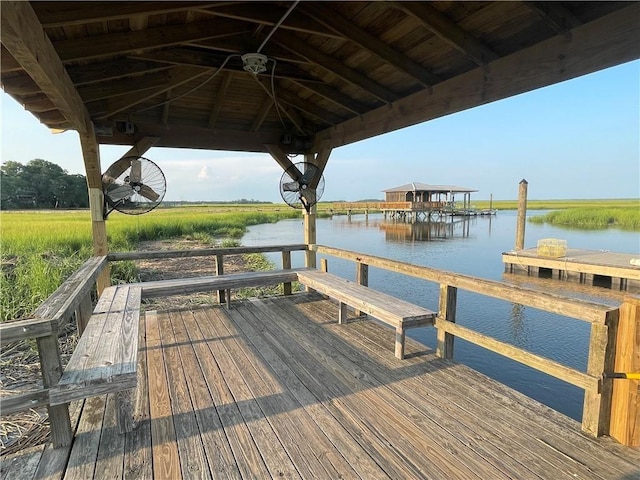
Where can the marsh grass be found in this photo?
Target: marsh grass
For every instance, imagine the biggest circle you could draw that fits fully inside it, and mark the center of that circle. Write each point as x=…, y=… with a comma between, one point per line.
x=625, y=218
x=38, y=250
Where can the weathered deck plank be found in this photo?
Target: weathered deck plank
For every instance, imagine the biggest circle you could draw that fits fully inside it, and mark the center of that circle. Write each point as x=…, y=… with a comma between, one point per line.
x=276, y=389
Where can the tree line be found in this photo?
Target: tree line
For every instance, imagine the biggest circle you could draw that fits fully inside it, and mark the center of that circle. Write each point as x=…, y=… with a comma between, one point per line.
x=40, y=185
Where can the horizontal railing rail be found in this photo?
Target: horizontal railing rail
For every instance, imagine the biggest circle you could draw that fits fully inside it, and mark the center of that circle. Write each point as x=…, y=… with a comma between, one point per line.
x=603, y=321
x=203, y=252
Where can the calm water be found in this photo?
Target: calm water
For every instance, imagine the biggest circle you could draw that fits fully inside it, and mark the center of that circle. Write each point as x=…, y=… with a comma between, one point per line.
x=472, y=246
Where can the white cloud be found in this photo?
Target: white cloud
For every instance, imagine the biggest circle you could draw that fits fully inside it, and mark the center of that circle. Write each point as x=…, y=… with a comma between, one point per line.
x=204, y=174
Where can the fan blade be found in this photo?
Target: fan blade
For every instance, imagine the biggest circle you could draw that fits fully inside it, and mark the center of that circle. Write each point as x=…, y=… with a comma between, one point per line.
x=291, y=186
x=148, y=193
x=136, y=171
x=308, y=175
x=119, y=193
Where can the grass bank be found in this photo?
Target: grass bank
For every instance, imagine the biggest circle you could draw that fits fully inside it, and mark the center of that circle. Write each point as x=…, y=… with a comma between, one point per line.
x=40, y=249
x=625, y=218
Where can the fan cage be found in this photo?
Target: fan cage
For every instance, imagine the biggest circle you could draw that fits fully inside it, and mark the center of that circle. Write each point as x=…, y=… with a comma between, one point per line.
x=295, y=188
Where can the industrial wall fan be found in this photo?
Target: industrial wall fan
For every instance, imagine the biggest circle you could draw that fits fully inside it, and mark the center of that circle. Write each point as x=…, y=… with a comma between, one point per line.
x=302, y=185
x=133, y=185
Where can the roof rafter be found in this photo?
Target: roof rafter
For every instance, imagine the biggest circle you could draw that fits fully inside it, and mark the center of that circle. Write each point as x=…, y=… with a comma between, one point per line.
x=262, y=114
x=156, y=37
x=225, y=82
x=449, y=31
x=369, y=42
x=555, y=15
x=25, y=39
x=334, y=66
x=334, y=95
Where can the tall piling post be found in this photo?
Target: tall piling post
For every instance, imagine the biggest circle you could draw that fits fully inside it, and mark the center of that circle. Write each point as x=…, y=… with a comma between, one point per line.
x=522, y=214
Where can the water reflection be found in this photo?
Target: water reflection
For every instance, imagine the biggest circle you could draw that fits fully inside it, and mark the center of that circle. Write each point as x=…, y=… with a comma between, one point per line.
x=426, y=231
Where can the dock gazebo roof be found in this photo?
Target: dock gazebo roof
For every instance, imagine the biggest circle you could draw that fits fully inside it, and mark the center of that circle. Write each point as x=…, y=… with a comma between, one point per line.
x=423, y=187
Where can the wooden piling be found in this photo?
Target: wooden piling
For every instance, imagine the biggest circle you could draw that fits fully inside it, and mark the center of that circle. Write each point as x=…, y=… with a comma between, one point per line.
x=624, y=424
x=522, y=214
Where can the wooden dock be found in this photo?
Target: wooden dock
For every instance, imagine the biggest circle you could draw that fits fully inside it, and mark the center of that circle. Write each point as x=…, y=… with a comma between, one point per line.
x=584, y=266
x=274, y=388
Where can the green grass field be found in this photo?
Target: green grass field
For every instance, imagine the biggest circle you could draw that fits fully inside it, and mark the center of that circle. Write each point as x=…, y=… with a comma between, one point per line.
x=39, y=249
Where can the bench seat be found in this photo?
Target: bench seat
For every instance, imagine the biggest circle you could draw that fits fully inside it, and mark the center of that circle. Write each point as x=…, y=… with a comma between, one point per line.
x=106, y=357
x=181, y=286
x=391, y=310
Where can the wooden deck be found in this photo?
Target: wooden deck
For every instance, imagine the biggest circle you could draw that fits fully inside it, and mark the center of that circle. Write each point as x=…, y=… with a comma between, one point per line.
x=578, y=264
x=275, y=388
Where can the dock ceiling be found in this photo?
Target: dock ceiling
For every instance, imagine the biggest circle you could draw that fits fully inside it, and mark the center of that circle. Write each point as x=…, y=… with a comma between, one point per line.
x=337, y=72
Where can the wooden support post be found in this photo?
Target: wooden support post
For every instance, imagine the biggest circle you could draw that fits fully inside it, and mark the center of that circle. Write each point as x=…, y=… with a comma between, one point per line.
x=362, y=278
x=220, y=271
x=323, y=265
x=625, y=404
x=342, y=313
x=400, y=338
x=522, y=214
x=61, y=434
x=597, y=404
x=286, y=265
x=447, y=312
x=310, y=237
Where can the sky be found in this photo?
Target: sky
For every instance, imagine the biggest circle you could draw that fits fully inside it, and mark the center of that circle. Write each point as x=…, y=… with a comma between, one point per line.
x=576, y=139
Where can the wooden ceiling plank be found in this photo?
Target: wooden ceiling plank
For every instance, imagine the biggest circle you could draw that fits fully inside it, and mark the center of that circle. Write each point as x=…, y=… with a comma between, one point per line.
x=20, y=85
x=605, y=42
x=262, y=114
x=111, y=70
x=8, y=64
x=449, y=31
x=24, y=38
x=156, y=37
x=369, y=42
x=334, y=66
x=221, y=93
x=555, y=15
x=77, y=13
x=178, y=76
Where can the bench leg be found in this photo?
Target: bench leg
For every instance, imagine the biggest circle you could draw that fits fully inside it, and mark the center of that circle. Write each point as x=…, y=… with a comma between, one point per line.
x=124, y=410
x=342, y=313
x=228, y=295
x=400, y=337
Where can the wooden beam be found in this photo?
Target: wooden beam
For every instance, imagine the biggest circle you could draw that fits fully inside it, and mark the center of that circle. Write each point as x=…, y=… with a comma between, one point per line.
x=334, y=65
x=114, y=88
x=320, y=160
x=157, y=37
x=186, y=136
x=221, y=93
x=603, y=43
x=177, y=77
x=281, y=157
x=449, y=31
x=60, y=14
x=335, y=96
x=25, y=39
x=333, y=20
x=138, y=150
x=555, y=15
x=112, y=69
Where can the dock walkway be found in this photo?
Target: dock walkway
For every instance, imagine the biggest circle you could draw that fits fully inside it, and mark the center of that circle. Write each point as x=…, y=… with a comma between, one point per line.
x=578, y=264
x=274, y=388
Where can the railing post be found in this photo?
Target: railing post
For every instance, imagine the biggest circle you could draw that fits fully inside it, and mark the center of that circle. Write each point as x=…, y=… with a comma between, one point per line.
x=324, y=267
x=625, y=403
x=447, y=312
x=220, y=271
x=362, y=278
x=51, y=366
x=597, y=404
x=286, y=265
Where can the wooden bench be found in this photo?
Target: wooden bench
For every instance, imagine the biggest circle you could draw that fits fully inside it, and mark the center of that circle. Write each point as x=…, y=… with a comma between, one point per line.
x=182, y=286
x=106, y=357
x=395, y=312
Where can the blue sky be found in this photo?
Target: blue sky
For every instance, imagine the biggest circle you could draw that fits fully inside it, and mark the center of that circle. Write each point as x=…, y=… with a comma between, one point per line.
x=577, y=139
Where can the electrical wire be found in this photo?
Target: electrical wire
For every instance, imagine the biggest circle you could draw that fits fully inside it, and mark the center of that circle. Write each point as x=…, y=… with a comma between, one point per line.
x=277, y=25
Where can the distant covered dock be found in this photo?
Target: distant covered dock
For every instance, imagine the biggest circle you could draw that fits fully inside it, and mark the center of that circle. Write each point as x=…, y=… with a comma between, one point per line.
x=418, y=200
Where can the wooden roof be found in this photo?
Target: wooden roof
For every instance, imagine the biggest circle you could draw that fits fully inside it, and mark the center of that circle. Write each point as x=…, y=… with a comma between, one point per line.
x=337, y=72
x=423, y=187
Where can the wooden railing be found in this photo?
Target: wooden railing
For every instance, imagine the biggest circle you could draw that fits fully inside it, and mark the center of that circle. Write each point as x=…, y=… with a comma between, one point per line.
x=73, y=300
x=603, y=319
